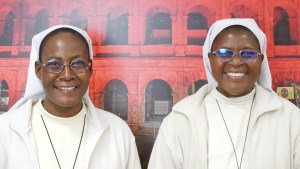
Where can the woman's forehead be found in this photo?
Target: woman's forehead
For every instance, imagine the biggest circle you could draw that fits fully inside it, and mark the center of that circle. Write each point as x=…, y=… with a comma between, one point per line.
x=64, y=44
x=57, y=33
x=61, y=37
x=236, y=31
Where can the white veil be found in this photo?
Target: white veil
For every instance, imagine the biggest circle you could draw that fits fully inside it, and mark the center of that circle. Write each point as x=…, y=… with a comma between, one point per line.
x=265, y=79
x=34, y=86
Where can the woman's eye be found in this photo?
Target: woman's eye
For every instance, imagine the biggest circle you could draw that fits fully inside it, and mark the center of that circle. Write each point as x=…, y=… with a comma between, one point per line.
x=54, y=63
x=79, y=63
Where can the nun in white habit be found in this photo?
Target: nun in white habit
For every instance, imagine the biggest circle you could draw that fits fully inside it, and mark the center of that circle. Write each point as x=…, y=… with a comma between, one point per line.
x=34, y=137
x=236, y=121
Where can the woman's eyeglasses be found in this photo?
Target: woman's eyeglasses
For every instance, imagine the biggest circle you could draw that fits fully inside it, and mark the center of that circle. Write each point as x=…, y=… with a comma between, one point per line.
x=77, y=66
x=225, y=55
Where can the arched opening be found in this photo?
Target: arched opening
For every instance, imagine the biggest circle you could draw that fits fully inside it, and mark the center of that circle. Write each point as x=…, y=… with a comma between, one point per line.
x=117, y=27
x=196, y=29
x=116, y=99
x=77, y=20
x=158, y=29
x=158, y=100
x=6, y=38
x=242, y=11
x=282, y=31
x=4, y=97
x=196, y=86
x=41, y=23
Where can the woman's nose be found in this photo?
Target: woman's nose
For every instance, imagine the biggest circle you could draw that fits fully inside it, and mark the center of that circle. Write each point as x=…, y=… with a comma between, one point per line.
x=67, y=72
x=236, y=60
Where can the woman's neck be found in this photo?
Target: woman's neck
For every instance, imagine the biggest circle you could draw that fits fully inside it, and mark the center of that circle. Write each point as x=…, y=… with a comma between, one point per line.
x=61, y=111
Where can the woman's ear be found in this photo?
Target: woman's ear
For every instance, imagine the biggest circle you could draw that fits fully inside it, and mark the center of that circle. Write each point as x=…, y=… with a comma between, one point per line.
x=262, y=57
x=91, y=66
x=209, y=55
x=38, y=69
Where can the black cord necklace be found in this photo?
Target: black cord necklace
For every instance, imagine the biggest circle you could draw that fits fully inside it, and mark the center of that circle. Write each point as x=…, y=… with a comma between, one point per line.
x=53, y=146
x=237, y=163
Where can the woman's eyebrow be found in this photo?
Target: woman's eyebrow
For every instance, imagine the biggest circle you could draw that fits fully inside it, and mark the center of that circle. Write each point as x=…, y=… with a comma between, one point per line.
x=53, y=58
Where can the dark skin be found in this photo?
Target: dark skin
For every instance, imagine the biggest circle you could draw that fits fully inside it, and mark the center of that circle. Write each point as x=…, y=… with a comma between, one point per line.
x=64, y=91
x=235, y=78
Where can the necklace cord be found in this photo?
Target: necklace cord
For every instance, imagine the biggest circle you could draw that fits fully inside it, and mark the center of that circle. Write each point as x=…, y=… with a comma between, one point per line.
x=53, y=146
x=79, y=142
x=239, y=166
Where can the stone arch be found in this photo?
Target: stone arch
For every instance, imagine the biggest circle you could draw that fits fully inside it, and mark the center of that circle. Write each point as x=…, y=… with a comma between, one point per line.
x=204, y=8
x=41, y=21
x=7, y=29
x=4, y=96
x=158, y=26
x=116, y=99
x=196, y=21
x=7, y=13
x=244, y=11
x=283, y=29
x=158, y=100
x=158, y=6
x=38, y=24
x=291, y=11
x=117, y=26
x=196, y=86
x=32, y=9
x=82, y=9
x=146, y=78
x=197, y=24
x=290, y=8
x=107, y=7
x=10, y=78
x=23, y=90
x=76, y=14
x=4, y=10
x=77, y=19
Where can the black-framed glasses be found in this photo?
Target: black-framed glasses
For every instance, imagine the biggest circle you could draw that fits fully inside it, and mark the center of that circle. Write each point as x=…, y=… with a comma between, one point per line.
x=77, y=66
x=225, y=55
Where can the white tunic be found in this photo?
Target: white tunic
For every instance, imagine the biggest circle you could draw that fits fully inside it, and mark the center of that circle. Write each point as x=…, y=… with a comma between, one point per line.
x=236, y=113
x=65, y=134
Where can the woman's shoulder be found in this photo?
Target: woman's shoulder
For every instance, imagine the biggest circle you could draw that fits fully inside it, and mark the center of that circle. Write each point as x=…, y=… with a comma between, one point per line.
x=288, y=105
x=18, y=114
x=192, y=102
x=112, y=120
x=16, y=119
x=276, y=103
x=11, y=115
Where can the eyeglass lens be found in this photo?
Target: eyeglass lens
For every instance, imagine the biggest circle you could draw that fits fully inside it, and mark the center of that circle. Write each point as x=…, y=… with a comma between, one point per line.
x=227, y=55
x=77, y=66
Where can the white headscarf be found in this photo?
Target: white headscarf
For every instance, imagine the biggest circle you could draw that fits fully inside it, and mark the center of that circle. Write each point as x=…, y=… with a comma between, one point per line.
x=265, y=79
x=34, y=86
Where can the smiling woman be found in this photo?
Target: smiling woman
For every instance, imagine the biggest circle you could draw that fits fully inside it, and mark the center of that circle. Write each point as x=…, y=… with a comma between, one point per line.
x=237, y=74
x=236, y=120
x=66, y=72
x=55, y=124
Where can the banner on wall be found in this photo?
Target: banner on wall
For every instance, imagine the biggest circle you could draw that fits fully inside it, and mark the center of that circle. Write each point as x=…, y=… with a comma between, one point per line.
x=286, y=92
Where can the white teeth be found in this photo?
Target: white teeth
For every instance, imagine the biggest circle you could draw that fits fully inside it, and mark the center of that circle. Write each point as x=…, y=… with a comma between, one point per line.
x=235, y=74
x=66, y=88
